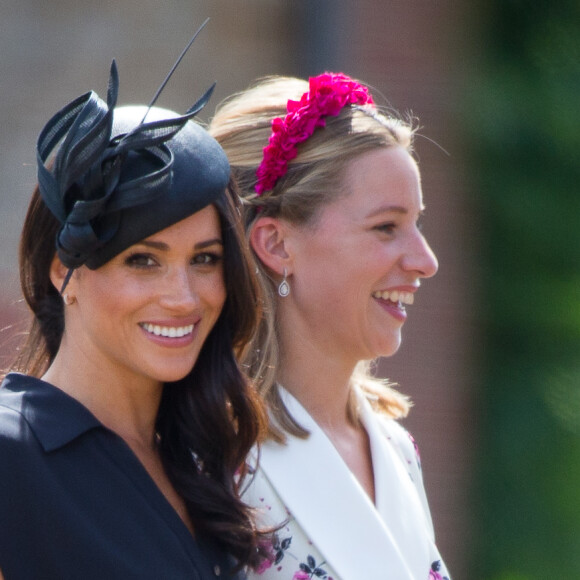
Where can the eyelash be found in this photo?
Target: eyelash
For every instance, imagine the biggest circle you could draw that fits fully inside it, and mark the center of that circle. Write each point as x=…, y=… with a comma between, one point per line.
x=390, y=227
x=135, y=261
x=387, y=228
x=147, y=261
x=207, y=258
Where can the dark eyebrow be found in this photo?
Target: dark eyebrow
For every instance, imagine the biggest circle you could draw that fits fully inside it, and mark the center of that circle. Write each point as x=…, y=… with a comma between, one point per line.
x=162, y=246
x=208, y=243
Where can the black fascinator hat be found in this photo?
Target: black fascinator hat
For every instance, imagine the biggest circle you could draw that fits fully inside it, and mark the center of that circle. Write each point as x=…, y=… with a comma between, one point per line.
x=115, y=175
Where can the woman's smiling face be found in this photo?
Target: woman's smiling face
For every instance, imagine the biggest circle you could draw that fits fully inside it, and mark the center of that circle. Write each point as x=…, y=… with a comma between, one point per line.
x=359, y=264
x=147, y=312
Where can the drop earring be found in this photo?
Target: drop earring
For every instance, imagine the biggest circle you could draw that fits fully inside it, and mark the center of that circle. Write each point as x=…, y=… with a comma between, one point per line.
x=284, y=288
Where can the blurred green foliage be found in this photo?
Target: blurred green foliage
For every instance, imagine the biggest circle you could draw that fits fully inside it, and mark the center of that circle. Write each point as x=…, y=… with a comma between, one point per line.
x=524, y=124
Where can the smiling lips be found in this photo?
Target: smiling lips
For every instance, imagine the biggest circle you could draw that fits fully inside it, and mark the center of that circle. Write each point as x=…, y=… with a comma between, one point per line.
x=168, y=331
x=395, y=296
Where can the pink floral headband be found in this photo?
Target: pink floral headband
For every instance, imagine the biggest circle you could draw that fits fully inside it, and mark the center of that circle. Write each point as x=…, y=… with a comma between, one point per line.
x=329, y=93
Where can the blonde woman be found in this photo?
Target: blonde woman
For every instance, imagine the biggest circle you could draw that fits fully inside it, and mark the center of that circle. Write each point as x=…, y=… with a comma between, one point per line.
x=332, y=200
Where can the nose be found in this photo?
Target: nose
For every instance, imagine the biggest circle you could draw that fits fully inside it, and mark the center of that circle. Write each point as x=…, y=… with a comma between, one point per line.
x=420, y=258
x=178, y=293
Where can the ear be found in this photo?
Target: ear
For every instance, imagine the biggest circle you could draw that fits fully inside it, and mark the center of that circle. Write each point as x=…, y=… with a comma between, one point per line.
x=268, y=240
x=58, y=273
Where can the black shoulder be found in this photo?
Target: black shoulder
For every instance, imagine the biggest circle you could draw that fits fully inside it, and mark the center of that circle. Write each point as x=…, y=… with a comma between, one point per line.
x=17, y=439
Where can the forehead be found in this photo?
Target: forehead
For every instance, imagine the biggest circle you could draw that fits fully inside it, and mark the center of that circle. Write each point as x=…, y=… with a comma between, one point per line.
x=394, y=164
x=376, y=181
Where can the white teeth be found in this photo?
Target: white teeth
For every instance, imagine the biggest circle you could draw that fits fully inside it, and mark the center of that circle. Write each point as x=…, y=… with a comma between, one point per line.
x=170, y=331
x=395, y=296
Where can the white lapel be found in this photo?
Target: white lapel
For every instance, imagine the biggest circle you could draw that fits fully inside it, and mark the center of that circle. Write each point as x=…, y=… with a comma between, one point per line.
x=331, y=507
x=397, y=498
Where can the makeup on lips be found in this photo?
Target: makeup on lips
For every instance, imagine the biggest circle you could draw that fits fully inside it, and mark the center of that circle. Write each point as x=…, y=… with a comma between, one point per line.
x=394, y=301
x=171, y=333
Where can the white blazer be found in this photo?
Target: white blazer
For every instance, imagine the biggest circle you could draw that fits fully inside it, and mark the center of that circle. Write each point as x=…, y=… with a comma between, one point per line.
x=332, y=529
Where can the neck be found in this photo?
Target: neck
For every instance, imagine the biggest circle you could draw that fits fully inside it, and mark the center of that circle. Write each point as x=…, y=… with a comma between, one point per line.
x=124, y=403
x=320, y=383
x=313, y=369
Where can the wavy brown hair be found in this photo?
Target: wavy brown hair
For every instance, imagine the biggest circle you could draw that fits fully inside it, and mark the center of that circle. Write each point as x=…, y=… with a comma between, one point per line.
x=209, y=420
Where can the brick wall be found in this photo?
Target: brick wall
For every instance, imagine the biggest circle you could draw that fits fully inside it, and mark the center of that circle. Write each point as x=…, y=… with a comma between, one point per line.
x=414, y=53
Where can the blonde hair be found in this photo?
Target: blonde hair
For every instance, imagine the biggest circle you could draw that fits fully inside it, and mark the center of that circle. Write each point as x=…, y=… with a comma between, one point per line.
x=242, y=126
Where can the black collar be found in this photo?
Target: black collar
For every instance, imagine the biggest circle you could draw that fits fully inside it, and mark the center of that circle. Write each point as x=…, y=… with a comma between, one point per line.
x=55, y=418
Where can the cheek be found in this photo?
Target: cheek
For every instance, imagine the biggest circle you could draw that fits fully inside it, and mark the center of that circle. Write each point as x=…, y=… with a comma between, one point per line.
x=114, y=297
x=220, y=298
x=214, y=291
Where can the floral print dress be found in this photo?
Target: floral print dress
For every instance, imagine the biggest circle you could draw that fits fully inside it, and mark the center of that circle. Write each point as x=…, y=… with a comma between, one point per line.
x=330, y=528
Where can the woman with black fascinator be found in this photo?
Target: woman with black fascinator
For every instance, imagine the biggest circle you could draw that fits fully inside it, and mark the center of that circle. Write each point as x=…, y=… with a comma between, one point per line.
x=126, y=418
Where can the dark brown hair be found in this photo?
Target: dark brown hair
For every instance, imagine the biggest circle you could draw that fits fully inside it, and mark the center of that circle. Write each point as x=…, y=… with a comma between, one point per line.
x=209, y=420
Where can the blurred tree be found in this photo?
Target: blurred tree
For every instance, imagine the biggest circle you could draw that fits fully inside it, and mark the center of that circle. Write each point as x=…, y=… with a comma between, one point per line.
x=525, y=126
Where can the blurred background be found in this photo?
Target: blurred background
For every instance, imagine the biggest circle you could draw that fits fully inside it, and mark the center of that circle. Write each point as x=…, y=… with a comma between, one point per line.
x=491, y=354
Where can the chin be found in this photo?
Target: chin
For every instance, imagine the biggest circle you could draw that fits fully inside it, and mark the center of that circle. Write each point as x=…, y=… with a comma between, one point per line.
x=390, y=348
x=176, y=368
x=177, y=375
x=172, y=374
x=387, y=353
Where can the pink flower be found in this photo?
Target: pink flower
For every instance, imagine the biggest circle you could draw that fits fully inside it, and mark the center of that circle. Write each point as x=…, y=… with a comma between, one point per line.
x=264, y=565
x=300, y=575
x=329, y=93
x=269, y=558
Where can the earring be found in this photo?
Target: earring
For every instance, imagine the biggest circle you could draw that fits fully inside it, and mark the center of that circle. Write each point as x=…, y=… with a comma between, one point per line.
x=284, y=288
x=67, y=299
